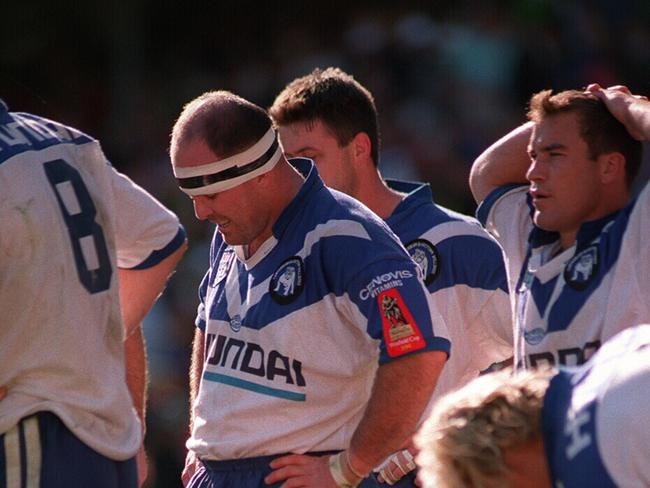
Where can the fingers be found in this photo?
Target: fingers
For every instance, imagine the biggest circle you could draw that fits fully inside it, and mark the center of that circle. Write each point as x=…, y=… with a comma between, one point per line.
x=398, y=466
x=620, y=88
x=141, y=463
x=595, y=88
x=192, y=464
x=292, y=467
x=290, y=459
x=285, y=473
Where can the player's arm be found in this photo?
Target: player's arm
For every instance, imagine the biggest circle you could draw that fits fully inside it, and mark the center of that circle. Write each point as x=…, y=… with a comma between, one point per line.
x=402, y=386
x=633, y=111
x=139, y=289
x=400, y=394
x=506, y=161
x=196, y=370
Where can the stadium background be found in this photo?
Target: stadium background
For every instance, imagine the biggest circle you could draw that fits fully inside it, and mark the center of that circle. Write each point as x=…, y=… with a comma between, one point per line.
x=449, y=77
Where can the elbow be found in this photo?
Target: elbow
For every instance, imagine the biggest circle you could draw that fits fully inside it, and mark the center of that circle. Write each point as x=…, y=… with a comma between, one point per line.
x=477, y=179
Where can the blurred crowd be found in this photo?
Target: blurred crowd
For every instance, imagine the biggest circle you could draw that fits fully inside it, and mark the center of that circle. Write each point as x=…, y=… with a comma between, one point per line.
x=448, y=78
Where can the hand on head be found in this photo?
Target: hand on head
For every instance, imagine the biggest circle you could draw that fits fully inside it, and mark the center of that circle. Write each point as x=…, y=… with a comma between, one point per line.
x=624, y=106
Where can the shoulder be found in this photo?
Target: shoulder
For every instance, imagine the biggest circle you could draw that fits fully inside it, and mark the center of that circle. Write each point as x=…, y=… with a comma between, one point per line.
x=512, y=197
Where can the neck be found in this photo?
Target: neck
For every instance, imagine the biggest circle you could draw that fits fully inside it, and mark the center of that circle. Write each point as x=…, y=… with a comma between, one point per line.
x=286, y=185
x=608, y=204
x=377, y=196
x=528, y=465
x=568, y=239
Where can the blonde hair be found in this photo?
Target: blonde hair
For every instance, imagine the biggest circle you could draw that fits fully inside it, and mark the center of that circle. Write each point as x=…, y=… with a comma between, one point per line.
x=462, y=442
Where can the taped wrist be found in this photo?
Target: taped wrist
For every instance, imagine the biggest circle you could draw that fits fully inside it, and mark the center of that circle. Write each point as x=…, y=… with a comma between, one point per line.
x=341, y=471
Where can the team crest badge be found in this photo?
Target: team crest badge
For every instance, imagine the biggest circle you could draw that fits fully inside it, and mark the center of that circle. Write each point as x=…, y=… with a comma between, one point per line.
x=224, y=266
x=426, y=256
x=288, y=281
x=235, y=323
x=582, y=268
x=401, y=333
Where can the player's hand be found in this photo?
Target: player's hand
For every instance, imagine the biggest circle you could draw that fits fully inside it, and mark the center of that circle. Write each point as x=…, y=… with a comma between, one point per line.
x=192, y=463
x=396, y=467
x=299, y=470
x=141, y=463
x=620, y=103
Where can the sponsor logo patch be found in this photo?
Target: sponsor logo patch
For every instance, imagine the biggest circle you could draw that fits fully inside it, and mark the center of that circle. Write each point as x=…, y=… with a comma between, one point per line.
x=426, y=256
x=288, y=281
x=401, y=333
x=582, y=268
x=383, y=282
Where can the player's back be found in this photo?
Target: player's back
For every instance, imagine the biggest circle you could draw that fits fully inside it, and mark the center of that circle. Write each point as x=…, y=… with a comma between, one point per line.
x=465, y=276
x=60, y=328
x=594, y=417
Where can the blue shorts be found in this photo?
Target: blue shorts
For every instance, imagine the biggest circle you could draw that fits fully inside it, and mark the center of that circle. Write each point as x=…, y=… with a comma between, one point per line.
x=250, y=473
x=41, y=452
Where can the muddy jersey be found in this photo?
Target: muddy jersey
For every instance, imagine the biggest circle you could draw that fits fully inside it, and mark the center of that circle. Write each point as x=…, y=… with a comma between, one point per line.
x=465, y=276
x=294, y=334
x=595, y=417
x=64, y=213
x=567, y=302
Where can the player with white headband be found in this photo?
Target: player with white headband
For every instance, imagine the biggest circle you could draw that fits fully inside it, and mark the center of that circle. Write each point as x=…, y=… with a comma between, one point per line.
x=315, y=351
x=232, y=171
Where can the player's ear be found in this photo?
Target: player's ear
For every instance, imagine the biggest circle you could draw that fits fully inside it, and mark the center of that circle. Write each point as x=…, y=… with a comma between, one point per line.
x=612, y=167
x=361, y=146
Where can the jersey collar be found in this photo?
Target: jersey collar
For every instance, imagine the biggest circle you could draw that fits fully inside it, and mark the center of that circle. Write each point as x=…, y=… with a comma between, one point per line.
x=311, y=185
x=417, y=194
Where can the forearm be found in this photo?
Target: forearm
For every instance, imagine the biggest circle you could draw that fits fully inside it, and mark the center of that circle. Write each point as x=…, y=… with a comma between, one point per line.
x=136, y=371
x=505, y=161
x=640, y=112
x=196, y=370
x=400, y=394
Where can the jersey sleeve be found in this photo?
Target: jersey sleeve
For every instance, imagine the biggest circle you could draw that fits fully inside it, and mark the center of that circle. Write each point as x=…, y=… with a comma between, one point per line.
x=636, y=237
x=622, y=430
x=393, y=300
x=506, y=215
x=146, y=231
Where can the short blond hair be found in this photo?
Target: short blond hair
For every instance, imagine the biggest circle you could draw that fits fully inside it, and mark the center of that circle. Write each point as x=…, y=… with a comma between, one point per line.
x=462, y=442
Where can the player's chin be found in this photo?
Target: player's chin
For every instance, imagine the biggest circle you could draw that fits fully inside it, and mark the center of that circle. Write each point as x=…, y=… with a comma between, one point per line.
x=231, y=238
x=545, y=222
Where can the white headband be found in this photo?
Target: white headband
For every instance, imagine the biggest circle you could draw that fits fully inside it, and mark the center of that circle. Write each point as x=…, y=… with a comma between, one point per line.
x=227, y=173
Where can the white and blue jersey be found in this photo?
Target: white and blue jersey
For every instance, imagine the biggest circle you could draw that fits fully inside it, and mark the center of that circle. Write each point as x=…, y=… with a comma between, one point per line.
x=464, y=273
x=294, y=334
x=595, y=417
x=69, y=220
x=567, y=302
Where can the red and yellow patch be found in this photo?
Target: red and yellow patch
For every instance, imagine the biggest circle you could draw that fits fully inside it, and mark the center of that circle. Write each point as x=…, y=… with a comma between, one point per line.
x=401, y=333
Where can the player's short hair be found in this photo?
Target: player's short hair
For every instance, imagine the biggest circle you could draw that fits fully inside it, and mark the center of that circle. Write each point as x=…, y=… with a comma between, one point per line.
x=602, y=132
x=462, y=441
x=335, y=98
x=226, y=122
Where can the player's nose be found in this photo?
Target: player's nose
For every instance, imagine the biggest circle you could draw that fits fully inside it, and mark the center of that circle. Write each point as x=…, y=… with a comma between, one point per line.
x=202, y=207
